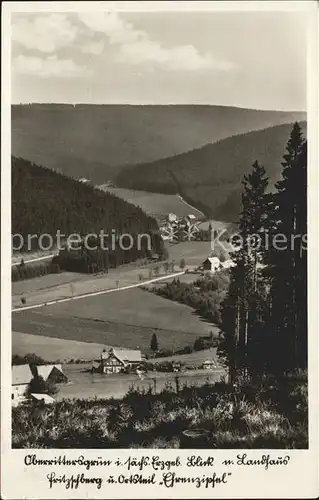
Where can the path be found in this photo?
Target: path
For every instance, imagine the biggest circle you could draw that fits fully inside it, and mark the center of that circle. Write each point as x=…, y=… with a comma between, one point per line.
x=34, y=260
x=100, y=292
x=190, y=206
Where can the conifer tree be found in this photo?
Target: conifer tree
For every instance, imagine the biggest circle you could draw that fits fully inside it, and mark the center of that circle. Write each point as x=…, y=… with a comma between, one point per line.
x=239, y=310
x=288, y=261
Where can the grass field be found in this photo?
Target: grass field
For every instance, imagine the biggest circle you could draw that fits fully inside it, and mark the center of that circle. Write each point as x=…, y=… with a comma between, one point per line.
x=53, y=349
x=89, y=386
x=193, y=252
x=125, y=319
x=63, y=285
x=156, y=204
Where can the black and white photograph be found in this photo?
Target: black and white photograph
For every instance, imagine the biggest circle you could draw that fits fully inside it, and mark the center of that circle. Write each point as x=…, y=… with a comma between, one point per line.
x=160, y=268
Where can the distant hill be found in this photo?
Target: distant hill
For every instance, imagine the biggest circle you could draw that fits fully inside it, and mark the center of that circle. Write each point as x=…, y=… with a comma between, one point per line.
x=44, y=201
x=210, y=177
x=93, y=141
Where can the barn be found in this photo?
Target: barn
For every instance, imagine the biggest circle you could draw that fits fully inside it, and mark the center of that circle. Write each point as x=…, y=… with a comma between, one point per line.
x=211, y=264
x=51, y=373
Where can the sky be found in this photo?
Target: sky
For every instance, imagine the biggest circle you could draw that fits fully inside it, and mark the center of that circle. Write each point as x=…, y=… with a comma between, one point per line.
x=245, y=59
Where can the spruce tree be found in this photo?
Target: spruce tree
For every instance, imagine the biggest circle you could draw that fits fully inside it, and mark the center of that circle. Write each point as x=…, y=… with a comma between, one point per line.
x=288, y=261
x=154, y=343
x=240, y=310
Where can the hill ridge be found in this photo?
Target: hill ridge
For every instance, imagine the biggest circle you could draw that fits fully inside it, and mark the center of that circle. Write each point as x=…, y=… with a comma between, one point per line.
x=96, y=141
x=210, y=176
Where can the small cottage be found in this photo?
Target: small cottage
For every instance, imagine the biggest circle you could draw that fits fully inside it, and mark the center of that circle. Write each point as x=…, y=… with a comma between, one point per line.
x=50, y=373
x=191, y=218
x=117, y=361
x=211, y=264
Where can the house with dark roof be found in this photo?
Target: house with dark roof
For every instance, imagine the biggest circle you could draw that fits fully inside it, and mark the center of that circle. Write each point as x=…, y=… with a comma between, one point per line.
x=211, y=264
x=51, y=373
x=117, y=361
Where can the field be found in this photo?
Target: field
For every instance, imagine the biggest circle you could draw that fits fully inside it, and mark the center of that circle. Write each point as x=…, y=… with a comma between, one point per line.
x=65, y=285
x=125, y=319
x=155, y=204
x=193, y=252
x=52, y=349
x=83, y=384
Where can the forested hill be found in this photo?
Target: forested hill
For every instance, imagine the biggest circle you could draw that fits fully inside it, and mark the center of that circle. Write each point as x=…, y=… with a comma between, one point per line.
x=94, y=141
x=210, y=177
x=44, y=201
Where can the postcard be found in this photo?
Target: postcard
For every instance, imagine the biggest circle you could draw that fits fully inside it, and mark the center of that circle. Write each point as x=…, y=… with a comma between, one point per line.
x=159, y=250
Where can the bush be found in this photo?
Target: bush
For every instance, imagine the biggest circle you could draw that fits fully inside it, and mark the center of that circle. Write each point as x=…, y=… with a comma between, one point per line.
x=216, y=415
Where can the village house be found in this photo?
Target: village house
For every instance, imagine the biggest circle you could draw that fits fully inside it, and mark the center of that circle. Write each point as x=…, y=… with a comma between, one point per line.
x=50, y=373
x=209, y=364
x=117, y=361
x=21, y=377
x=211, y=264
x=23, y=374
x=191, y=218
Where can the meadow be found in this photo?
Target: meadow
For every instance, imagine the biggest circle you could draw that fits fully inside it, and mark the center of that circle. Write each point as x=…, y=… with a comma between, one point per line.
x=53, y=349
x=126, y=319
x=155, y=204
x=83, y=384
x=270, y=415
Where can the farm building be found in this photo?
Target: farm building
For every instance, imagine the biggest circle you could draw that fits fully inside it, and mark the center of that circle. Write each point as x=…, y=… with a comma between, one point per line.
x=211, y=264
x=51, y=373
x=191, y=217
x=21, y=377
x=117, y=361
x=44, y=398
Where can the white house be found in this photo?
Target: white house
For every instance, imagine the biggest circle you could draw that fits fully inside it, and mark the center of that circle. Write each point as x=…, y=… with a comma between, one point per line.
x=21, y=377
x=211, y=264
x=117, y=361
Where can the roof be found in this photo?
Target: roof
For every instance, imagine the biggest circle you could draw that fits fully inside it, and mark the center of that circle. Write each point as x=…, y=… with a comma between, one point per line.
x=124, y=355
x=45, y=370
x=43, y=397
x=191, y=216
x=213, y=260
x=21, y=374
